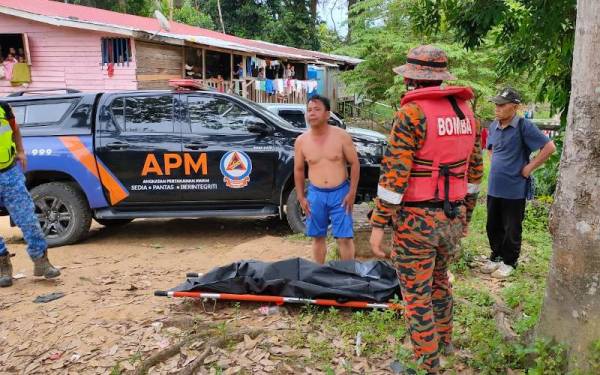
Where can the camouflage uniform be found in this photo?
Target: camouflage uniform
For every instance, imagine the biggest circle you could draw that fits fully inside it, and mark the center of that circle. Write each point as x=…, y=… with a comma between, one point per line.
x=425, y=240
x=16, y=199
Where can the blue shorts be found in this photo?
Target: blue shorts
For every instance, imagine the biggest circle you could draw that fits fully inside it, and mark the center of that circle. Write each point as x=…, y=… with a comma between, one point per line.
x=326, y=207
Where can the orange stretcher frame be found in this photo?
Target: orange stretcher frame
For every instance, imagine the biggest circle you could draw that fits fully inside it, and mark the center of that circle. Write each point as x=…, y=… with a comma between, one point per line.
x=278, y=300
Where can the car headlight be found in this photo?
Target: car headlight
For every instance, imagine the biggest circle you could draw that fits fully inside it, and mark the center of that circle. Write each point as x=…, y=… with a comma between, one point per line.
x=370, y=149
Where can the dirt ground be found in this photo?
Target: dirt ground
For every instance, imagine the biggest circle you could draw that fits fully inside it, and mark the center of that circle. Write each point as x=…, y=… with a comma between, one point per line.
x=109, y=313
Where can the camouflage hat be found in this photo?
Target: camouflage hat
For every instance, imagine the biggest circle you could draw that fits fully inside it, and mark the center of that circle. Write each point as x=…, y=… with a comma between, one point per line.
x=426, y=63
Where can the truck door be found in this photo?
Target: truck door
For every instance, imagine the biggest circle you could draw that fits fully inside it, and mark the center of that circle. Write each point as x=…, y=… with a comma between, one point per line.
x=139, y=145
x=232, y=164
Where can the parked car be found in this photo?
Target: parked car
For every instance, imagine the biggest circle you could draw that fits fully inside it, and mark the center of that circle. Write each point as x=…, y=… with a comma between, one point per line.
x=295, y=115
x=118, y=156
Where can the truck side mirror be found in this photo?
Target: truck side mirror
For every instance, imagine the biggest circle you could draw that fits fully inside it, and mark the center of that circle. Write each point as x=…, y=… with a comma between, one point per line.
x=258, y=126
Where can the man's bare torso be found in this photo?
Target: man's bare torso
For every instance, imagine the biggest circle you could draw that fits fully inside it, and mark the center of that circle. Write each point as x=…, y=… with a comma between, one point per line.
x=324, y=154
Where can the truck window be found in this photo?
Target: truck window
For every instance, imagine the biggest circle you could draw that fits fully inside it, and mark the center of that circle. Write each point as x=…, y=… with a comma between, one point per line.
x=294, y=117
x=46, y=113
x=216, y=115
x=143, y=114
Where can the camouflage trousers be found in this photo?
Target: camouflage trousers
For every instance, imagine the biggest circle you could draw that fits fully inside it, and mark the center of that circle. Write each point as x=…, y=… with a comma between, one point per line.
x=17, y=201
x=425, y=241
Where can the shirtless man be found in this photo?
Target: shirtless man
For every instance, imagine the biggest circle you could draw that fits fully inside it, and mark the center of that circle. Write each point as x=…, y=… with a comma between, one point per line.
x=327, y=150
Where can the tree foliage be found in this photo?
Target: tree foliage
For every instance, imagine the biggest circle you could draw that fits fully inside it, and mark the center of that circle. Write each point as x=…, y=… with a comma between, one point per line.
x=288, y=22
x=383, y=33
x=137, y=7
x=534, y=37
x=189, y=13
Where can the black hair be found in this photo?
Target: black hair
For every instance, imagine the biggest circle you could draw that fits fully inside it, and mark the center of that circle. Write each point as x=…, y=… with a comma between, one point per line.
x=322, y=99
x=424, y=83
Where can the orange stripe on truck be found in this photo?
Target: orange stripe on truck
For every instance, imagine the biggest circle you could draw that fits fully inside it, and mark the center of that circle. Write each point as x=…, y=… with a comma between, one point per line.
x=116, y=192
x=81, y=153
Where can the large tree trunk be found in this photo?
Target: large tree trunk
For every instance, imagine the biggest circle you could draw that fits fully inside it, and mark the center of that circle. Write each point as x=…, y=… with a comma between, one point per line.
x=571, y=310
x=313, y=9
x=350, y=5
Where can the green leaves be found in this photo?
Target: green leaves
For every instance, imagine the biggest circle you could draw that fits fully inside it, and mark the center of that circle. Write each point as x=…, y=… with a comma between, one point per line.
x=533, y=37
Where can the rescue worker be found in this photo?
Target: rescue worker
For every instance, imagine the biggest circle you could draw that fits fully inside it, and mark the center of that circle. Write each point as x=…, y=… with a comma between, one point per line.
x=431, y=169
x=17, y=201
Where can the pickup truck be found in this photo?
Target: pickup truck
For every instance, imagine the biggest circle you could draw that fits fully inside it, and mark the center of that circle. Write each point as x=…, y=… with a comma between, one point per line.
x=118, y=156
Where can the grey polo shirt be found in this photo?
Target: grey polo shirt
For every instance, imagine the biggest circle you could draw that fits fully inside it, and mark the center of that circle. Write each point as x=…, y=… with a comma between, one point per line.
x=509, y=156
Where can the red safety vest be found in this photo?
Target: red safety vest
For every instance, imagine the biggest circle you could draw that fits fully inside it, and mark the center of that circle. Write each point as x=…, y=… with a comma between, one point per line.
x=443, y=161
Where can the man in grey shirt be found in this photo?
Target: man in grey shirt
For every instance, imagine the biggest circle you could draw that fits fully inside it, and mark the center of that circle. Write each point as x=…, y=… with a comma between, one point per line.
x=511, y=140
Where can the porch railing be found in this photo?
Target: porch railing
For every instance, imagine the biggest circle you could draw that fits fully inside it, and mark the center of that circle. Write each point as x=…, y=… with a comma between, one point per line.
x=250, y=89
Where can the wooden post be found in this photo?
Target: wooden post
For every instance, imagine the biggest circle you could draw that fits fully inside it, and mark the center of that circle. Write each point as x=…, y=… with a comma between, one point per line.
x=184, y=53
x=244, y=90
x=204, y=65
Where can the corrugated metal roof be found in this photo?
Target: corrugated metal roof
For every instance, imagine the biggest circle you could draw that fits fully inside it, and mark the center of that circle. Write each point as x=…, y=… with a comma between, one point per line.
x=77, y=16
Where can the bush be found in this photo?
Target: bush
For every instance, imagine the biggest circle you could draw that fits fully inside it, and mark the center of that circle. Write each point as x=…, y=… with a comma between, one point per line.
x=547, y=176
x=537, y=213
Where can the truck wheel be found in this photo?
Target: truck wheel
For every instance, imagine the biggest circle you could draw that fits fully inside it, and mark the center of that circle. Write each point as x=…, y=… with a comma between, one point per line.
x=63, y=212
x=294, y=213
x=113, y=222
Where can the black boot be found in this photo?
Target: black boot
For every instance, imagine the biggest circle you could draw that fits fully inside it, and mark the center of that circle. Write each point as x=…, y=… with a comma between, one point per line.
x=6, y=271
x=42, y=267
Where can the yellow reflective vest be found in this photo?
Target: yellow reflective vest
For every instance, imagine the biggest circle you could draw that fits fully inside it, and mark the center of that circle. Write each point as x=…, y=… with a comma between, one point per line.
x=8, y=149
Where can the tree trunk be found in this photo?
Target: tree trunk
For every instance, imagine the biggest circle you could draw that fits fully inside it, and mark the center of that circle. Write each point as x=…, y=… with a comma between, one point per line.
x=351, y=3
x=313, y=9
x=220, y=16
x=571, y=310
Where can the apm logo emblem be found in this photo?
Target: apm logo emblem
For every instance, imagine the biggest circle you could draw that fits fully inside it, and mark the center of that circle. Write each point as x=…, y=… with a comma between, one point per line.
x=236, y=167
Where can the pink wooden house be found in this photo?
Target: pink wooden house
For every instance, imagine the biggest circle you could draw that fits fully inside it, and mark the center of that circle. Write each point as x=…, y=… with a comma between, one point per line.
x=74, y=47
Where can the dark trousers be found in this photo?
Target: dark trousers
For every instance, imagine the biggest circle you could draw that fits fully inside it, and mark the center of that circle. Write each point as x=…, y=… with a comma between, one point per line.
x=504, y=228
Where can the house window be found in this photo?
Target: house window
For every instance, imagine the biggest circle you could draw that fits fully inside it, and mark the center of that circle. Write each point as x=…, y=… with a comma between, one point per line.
x=193, y=63
x=15, y=47
x=218, y=64
x=116, y=51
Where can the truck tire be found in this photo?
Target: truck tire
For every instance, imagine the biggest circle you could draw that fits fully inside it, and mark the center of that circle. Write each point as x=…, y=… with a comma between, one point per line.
x=294, y=213
x=63, y=211
x=113, y=222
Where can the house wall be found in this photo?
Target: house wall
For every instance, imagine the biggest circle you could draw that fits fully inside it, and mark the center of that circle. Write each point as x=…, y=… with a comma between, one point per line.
x=157, y=64
x=63, y=57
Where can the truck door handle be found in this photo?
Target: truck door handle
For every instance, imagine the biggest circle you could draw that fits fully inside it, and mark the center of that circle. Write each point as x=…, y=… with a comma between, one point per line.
x=118, y=145
x=195, y=145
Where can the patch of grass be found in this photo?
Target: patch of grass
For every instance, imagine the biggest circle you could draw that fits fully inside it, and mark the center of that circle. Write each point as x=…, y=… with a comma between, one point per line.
x=321, y=349
x=333, y=251
x=529, y=303
x=116, y=369
x=475, y=332
x=405, y=357
x=378, y=328
x=594, y=357
x=137, y=357
x=299, y=237
x=296, y=339
x=551, y=359
x=475, y=328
